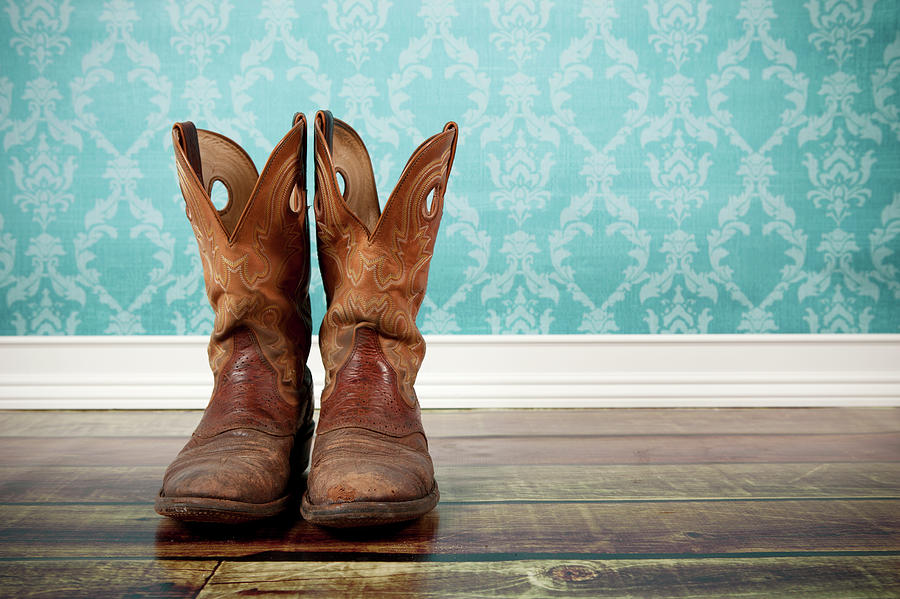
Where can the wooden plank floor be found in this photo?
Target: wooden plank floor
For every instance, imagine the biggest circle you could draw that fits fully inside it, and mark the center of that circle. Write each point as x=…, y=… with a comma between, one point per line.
x=535, y=503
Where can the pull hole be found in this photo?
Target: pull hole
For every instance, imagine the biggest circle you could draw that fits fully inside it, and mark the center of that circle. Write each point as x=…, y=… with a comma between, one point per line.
x=429, y=200
x=296, y=202
x=219, y=195
x=341, y=182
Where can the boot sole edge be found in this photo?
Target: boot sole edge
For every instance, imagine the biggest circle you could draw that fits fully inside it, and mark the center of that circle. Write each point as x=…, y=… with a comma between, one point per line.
x=367, y=513
x=204, y=509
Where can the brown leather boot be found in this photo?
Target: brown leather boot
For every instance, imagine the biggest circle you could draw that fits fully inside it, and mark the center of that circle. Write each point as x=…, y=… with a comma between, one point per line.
x=245, y=458
x=370, y=463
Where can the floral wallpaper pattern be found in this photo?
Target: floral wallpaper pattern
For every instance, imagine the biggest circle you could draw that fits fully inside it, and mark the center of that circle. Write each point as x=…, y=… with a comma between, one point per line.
x=646, y=166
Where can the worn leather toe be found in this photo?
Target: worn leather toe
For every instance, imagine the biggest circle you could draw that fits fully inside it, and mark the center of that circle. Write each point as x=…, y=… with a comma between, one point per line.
x=238, y=465
x=352, y=465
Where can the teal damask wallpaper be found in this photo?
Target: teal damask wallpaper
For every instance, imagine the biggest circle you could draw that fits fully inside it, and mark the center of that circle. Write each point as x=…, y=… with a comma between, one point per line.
x=631, y=166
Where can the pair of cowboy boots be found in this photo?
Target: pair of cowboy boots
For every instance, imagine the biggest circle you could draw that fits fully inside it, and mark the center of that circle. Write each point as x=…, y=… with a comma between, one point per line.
x=245, y=460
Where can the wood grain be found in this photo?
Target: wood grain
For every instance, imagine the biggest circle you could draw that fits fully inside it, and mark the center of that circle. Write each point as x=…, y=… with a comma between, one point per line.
x=536, y=503
x=522, y=483
x=821, y=577
x=462, y=423
x=648, y=449
x=94, y=579
x=631, y=528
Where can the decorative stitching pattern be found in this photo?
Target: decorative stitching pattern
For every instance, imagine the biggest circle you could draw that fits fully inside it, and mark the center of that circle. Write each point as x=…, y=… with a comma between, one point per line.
x=378, y=278
x=266, y=251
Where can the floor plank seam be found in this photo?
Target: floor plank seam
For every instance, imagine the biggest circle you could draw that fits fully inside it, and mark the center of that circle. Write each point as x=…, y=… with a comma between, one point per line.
x=208, y=578
x=513, y=501
x=534, y=436
x=357, y=556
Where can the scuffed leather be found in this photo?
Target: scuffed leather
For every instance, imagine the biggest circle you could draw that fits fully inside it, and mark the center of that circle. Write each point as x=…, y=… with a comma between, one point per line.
x=239, y=465
x=370, y=445
x=255, y=254
x=355, y=464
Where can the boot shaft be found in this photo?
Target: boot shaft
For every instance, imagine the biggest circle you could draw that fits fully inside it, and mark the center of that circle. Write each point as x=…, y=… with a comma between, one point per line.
x=374, y=265
x=255, y=255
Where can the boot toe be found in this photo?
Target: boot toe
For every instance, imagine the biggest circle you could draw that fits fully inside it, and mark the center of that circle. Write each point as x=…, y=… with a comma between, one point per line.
x=240, y=465
x=355, y=465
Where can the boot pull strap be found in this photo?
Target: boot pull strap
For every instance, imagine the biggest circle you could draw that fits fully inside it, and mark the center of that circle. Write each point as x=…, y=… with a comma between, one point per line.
x=299, y=117
x=326, y=120
x=187, y=135
x=450, y=126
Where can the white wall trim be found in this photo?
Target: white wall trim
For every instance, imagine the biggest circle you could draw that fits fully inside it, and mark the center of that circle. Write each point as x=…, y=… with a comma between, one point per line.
x=468, y=371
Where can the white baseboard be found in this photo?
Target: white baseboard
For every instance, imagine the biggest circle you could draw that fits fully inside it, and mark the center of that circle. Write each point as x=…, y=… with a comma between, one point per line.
x=475, y=371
